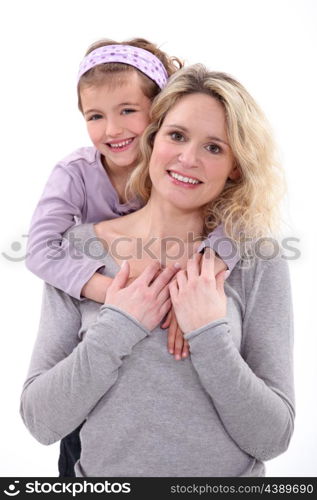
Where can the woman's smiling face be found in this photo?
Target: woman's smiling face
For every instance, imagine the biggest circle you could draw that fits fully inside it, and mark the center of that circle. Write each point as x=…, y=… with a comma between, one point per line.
x=191, y=159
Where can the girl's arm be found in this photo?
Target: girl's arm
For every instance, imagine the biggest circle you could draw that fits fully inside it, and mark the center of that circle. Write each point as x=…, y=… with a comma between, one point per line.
x=252, y=391
x=52, y=257
x=224, y=247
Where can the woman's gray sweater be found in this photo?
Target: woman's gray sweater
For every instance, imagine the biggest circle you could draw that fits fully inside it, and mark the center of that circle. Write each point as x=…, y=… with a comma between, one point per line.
x=221, y=412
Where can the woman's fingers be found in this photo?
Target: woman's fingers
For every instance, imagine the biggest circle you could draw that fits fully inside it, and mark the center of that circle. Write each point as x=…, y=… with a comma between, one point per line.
x=164, y=278
x=165, y=308
x=163, y=295
x=173, y=289
x=181, y=278
x=149, y=273
x=121, y=278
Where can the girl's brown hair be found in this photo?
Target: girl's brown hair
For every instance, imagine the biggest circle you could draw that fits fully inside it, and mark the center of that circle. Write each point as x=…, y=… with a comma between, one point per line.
x=109, y=72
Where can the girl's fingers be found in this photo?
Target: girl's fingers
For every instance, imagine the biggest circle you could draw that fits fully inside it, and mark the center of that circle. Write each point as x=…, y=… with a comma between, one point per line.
x=171, y=337
x=219, y=265
x=185, y=352
x=220, y=282
x=208, y=263
x=167, y=321
x=179, y=342
x=193, y=266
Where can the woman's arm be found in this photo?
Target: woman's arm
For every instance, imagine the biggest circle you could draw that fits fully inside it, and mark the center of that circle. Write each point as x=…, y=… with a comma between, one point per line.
x=253, y=390
x=67, y=377
x=49, y=255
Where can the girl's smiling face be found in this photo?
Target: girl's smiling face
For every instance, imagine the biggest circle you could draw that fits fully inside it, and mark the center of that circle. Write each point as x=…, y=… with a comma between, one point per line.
x=116, y=117
x=192, y=159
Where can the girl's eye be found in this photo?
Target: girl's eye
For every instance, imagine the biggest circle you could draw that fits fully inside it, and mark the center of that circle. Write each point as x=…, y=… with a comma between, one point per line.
x=177, y=136
x=127, y=111
x=214, y=148
x=94, y=117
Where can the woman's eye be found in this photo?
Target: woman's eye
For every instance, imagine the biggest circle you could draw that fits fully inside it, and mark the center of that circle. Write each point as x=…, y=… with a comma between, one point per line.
x=177, y=136
x=95, y=117
x=214, y=148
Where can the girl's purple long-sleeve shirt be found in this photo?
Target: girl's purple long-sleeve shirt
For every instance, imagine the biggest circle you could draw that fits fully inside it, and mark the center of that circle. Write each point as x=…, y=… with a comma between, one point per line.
x=80, y=191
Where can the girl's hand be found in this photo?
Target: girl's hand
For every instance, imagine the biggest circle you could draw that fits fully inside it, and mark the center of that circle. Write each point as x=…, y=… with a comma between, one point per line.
x=198, y=296
x=176, y=344
x=147, y=298
x=219, y=266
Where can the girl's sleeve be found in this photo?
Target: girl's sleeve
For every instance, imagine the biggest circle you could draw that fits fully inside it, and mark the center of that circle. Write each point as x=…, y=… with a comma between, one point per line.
x=49, y=255
x=223, y=246
x=253, y=392
x=67, y=377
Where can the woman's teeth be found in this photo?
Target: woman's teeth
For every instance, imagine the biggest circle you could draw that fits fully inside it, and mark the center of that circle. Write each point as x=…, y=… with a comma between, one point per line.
x=120, y=144
x=183, y=179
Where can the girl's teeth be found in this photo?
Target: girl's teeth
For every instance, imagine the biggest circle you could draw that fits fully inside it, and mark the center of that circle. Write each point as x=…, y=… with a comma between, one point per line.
x=121, y=144
x=183, y=179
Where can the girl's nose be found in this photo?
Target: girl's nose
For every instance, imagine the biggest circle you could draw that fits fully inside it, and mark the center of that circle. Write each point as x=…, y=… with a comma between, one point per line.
x=113, y=128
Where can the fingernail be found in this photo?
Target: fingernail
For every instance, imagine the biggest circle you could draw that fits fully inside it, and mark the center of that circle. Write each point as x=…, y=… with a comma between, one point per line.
x=177, y=357
x=184, y=355
x=123, y=263
x=171, y=351
x=227, y=273
x=177, y=265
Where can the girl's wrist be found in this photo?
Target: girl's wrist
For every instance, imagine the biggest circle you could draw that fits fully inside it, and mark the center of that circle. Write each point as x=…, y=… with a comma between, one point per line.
x=96, y=288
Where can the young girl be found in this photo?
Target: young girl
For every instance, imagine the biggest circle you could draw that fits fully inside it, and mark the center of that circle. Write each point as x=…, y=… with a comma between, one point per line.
x=116, y=85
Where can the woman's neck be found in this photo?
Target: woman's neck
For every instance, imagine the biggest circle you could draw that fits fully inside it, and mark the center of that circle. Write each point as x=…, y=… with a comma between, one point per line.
x=162, y=220
x=159, y=230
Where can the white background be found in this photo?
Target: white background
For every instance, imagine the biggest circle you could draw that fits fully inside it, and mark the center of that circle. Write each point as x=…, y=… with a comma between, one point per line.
x=269, y=45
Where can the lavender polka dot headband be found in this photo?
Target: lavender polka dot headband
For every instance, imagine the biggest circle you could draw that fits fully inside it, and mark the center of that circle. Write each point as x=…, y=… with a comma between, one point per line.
x=141, y=59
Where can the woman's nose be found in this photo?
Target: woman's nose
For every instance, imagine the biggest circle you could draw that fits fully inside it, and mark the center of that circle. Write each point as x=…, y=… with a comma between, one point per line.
x=189, y=156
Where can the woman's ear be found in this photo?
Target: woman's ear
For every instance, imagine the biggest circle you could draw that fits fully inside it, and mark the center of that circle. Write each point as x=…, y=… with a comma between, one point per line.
x=235, y=174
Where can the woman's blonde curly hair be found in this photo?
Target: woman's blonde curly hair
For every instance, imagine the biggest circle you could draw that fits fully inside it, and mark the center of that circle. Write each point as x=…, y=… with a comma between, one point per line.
x=248, y=206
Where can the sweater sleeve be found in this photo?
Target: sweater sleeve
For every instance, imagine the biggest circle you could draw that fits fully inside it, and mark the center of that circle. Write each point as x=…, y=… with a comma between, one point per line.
x=49, y=255
x=253, y=391
x=223, y=246
x=67, y=377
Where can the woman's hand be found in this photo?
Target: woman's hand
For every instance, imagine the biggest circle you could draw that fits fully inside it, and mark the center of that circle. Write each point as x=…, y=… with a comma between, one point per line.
x=147, y=298
x=198, y=296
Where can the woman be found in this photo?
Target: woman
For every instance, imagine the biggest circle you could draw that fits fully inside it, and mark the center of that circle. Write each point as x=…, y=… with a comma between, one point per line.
x=207, y=159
